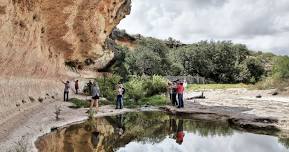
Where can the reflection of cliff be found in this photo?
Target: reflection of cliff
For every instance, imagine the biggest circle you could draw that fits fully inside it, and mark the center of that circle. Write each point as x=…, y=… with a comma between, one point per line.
x=113, y=132
x=77, y=138
x=38, y=36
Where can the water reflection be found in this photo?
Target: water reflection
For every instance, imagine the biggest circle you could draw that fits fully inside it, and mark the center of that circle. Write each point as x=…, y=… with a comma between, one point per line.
x=154, y=131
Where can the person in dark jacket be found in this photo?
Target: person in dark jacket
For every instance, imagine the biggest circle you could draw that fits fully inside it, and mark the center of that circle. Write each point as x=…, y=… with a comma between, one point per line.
x=174, y=94
x=76, y=86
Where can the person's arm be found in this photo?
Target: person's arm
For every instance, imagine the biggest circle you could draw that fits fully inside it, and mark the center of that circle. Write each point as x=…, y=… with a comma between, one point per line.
x=62, y=81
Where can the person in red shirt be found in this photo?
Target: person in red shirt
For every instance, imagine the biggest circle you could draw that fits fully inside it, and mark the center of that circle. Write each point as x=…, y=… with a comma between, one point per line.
x=180, y=92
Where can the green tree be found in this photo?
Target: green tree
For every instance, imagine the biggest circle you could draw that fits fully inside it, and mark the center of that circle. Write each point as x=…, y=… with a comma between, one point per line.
x=281, y=67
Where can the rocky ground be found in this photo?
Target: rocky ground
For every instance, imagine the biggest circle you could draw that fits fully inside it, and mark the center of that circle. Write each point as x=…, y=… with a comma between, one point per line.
x=237, y=106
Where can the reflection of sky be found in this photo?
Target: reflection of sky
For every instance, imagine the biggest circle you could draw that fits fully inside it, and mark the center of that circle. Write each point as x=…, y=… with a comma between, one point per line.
x=238, y=142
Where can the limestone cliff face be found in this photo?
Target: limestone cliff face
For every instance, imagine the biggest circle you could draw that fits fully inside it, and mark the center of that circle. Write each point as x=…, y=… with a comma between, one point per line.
x=38, y=36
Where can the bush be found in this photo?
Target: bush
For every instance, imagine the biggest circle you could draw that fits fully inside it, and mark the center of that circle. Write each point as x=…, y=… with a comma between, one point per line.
x=157, y=100
x=155, y=85
x=281, y=68
x=135, y=88
x=107, y=86
x=78, y=103
x=144, y=86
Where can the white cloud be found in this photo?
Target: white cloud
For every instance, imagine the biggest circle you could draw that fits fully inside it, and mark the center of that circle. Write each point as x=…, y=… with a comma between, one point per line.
x=261, y=24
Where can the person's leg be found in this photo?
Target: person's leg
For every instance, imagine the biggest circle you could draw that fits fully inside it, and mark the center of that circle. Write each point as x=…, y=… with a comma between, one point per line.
x=67, y=96
x=121, y=103
x=175, y=102
x=182, y=99
x=116, y=102
x=96, y=105
x=179, y=101
x=64, y=95
x=91, y=103
x=171, y=98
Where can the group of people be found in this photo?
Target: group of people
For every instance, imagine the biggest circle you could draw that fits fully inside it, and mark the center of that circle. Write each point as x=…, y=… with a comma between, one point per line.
x=176, y=92
x=94, y=91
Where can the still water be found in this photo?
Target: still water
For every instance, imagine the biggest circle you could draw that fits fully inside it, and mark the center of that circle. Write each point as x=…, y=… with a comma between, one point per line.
x=156, y=132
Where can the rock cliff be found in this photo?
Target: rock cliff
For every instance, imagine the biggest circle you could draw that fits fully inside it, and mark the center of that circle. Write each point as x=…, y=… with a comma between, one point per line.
x=37, y=39
x=39, y=36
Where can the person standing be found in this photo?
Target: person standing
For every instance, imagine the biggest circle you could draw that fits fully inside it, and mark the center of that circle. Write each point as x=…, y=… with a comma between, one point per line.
x=66, y=90
x=95, y=93
x=119, y=91
x=170, y=91
x=180, y=92
x=174, y=94
x=185, y=83
x=122, y=97
x=76, y=86
x=89, y=85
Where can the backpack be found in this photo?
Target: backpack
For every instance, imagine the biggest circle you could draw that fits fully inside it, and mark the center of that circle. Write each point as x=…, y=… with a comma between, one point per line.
x=123, y=91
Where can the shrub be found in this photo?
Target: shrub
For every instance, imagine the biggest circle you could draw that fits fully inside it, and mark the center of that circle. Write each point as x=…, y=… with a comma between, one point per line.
x=135, y=89
x=107, y=86
x=281, y=67
x=155, y=85
x=78, y=103
x=144, y=86
x=156, y=100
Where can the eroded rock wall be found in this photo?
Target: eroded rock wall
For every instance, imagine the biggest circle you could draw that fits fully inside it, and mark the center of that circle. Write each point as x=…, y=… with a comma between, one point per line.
x=38, y=36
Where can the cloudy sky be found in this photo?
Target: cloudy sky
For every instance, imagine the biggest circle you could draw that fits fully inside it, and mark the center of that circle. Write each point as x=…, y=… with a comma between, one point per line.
x=261, y=24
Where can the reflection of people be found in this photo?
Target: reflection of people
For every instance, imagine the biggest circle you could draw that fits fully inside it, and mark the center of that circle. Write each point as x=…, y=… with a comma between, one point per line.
x=120, y=124
x=97, y=141
x=173, y=125
x=180, y=133
x=94, y=138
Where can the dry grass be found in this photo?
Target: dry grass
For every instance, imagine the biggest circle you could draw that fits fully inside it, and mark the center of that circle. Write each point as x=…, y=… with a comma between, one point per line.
x=201, y=87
